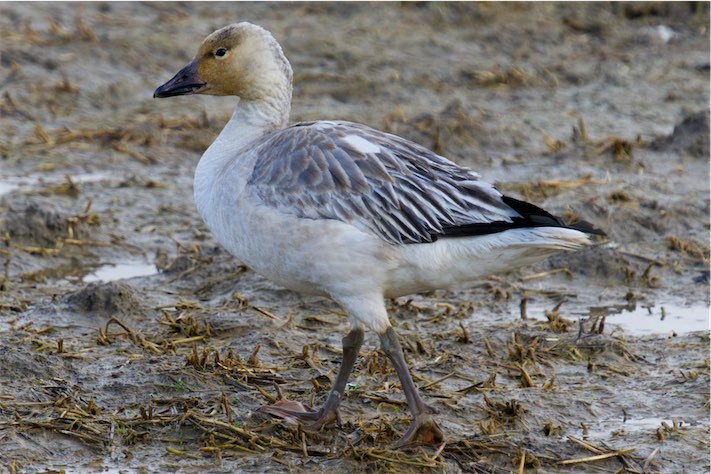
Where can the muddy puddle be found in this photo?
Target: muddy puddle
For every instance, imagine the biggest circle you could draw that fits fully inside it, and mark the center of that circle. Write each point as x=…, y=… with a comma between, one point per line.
x=666, y=319
x=131, y=342
x=671, y=319
x=121, y=271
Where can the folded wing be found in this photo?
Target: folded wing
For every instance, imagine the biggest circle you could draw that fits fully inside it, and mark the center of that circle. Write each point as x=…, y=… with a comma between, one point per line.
x=382, y=184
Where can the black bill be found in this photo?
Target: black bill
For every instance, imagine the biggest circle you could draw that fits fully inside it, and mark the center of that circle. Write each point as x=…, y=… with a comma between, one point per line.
x=185, y=82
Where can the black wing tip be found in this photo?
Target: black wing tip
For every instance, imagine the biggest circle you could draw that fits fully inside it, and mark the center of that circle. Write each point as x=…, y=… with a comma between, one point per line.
x=531, y=216
x=538, y=217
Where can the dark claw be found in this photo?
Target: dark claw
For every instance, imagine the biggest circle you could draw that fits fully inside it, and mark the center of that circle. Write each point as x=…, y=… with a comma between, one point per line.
x=424, y=429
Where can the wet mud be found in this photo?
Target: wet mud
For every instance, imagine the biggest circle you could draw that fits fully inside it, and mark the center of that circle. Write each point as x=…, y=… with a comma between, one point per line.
x=131, y=342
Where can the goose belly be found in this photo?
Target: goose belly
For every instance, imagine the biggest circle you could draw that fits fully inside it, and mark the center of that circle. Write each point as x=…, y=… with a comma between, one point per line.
x=322, y=257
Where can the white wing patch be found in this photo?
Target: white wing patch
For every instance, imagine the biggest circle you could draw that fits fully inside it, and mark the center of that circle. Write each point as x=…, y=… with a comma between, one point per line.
x=361, y=145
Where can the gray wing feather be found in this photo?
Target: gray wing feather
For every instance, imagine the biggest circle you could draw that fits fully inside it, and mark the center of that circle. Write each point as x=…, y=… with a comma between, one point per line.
x=380, y=183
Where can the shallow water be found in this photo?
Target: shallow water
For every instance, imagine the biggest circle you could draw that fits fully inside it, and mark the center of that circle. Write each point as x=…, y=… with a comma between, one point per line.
x=121, y=271
x=7, y=186
x=664, y=319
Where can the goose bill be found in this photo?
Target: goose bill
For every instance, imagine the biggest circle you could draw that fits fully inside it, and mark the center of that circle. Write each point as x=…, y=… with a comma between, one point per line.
x=185, y=82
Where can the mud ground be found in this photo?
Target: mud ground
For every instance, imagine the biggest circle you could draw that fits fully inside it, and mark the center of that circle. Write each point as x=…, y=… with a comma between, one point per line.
x=593, y=110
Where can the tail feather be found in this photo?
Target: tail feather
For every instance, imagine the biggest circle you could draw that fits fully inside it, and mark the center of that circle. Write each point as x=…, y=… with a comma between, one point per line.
x=551, y=238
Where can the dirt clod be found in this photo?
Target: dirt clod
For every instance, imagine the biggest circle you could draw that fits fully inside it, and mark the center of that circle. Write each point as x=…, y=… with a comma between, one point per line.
x=690, y=136
x=35, y=225
x=106, y=298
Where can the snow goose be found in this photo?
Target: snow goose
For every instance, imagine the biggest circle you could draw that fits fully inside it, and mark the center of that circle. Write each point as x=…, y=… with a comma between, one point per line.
x=342, y=210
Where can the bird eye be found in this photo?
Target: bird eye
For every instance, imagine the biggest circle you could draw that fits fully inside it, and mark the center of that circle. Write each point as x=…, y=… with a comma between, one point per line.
x=220, y=52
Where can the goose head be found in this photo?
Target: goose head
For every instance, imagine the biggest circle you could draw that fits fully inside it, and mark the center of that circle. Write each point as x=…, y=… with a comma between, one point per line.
x=241, y=59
